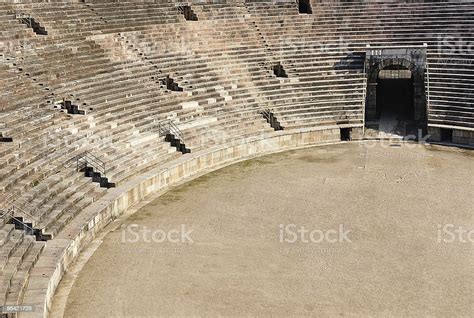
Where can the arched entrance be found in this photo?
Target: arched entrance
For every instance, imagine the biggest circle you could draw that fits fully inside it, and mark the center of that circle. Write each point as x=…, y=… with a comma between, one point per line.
x=395, y=93
x=395, y=87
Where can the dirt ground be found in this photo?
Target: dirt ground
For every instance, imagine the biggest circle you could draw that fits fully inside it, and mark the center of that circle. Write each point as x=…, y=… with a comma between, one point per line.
x=384, y=231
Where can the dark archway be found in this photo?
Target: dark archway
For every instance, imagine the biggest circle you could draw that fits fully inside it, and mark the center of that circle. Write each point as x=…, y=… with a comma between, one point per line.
x=304, y=6
x=395, y=82
x=395, y=93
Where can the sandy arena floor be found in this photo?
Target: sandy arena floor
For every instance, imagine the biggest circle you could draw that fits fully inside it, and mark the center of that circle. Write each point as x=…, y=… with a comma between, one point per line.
x=388, y=213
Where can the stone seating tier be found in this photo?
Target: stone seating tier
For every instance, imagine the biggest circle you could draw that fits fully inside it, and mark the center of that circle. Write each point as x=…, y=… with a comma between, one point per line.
x=110, y=59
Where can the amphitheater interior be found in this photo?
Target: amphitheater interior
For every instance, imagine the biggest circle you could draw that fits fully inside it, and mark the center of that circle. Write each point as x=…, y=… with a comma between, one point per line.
x=104, y=102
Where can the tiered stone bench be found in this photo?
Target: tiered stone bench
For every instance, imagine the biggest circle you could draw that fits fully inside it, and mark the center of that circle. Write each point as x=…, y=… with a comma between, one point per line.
x=111, y=59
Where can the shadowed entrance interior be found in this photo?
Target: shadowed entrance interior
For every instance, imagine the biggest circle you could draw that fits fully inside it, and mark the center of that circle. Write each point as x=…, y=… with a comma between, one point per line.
x=395, y=98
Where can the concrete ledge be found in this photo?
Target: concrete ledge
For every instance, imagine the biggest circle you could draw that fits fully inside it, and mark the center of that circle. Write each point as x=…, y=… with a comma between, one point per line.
x=60, y=253
x=461, y=137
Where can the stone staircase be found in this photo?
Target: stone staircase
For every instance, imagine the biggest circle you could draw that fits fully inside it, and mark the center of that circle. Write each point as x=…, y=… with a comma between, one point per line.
x=106, y=62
